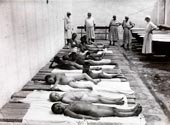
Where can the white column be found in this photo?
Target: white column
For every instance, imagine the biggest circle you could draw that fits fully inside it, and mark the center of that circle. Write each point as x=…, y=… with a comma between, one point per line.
x=167, y=12
x=161, y=11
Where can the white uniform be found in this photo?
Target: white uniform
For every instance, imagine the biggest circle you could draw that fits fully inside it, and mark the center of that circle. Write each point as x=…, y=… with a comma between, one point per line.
x=89, y=23
x=147, y=43
x=127, y=36
x=68, y=28
x=113, y=34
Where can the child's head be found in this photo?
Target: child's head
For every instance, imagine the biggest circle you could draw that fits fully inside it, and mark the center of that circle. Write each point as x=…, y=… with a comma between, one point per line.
x=86, y=67
x=74, y=35
x=83, y=39
x=65, y=57
x=49, y=79
x=57, y=59
x=73, y=56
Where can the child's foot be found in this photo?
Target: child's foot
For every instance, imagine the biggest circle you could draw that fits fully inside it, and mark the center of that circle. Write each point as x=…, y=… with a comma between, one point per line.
x=138, y=111
x=97, y=81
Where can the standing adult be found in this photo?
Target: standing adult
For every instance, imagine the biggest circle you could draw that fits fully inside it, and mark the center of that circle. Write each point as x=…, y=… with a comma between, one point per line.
x=113, y=30
x=68, y=28
x=127, y=36
x=90, y=27
x=147, y=43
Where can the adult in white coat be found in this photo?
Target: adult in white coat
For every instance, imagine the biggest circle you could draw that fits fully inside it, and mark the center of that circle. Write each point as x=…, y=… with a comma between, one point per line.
x=68, y=28
x=147, y=43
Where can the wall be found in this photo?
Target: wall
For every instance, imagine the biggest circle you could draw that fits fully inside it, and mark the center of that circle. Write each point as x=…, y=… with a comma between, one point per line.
x=103, y=10
x=31, y=33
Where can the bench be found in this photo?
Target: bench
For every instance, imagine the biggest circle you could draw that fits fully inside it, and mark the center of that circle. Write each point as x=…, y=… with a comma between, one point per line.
x=160, y=39
x=105, y=33
x=164, y=27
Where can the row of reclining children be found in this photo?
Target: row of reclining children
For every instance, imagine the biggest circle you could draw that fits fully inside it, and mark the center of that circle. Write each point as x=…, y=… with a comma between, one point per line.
x=78, y=104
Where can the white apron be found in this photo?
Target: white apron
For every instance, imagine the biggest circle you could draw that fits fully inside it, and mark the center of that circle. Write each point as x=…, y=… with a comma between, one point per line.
x=89, y=23
x=127, y=36
x=113, y=34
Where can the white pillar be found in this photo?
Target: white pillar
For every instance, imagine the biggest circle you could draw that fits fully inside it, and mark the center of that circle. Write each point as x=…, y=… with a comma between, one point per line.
x=161, y=12
x=167, y=12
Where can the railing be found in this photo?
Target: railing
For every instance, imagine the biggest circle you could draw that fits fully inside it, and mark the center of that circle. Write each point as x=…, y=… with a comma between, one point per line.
x=97, y=28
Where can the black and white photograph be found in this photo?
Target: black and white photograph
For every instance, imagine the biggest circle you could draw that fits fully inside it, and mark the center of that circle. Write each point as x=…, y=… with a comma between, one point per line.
x=84, y=62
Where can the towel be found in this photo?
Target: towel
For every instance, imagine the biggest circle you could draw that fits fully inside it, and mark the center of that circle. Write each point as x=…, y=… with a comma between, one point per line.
x=105, y=61
x=105, y=51
x=105, y=66
x=65, y=71
x=40, y=113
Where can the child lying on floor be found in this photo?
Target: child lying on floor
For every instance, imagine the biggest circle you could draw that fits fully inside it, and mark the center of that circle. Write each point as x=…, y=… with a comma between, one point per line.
x=92, y=47
x=65, y=63
x=86, y=110
x=62, y=79
x=75, y=57
x=92, y=97
x=101, y=74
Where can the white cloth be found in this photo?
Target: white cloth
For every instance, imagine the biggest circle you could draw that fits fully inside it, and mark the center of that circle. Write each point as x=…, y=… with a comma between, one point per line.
x=89, y=23
x=65, y=71
x=105, y=51
x=147, y=43
x=68, y=28
x=119, y=87
x=104, y=67
x=104, y=61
